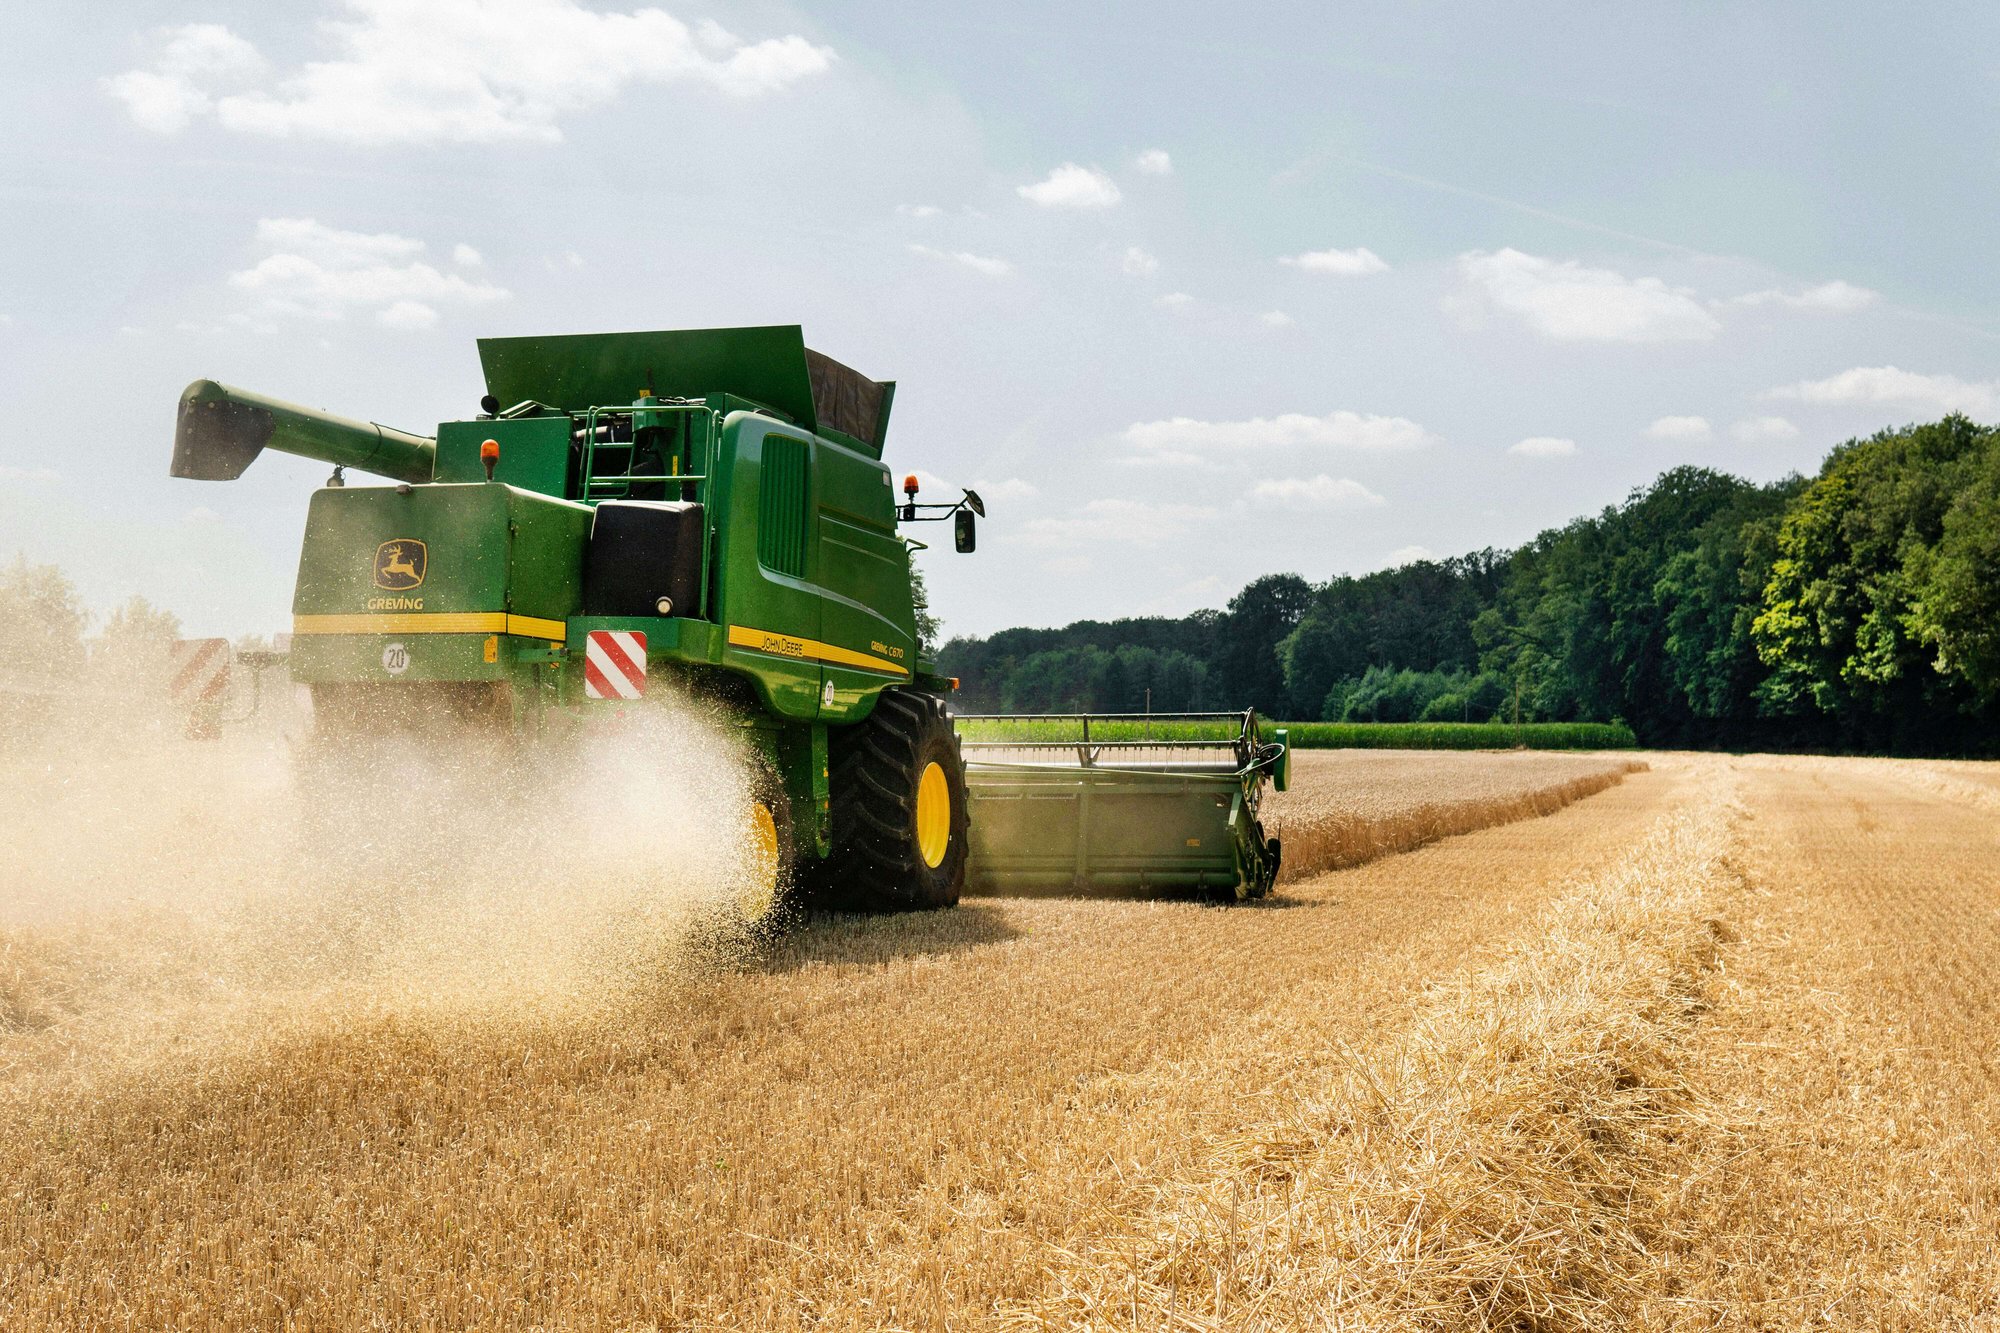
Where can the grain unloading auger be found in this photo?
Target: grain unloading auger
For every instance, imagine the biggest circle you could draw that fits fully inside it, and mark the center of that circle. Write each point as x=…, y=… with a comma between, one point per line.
x=701, y=509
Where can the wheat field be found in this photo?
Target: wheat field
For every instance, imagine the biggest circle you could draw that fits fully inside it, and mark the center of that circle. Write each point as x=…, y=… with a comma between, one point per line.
x=1345, y=807
x=1562, y=1043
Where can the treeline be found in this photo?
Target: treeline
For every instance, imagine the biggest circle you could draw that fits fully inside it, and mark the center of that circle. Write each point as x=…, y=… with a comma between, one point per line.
x=47, y=638
x=1858, y=609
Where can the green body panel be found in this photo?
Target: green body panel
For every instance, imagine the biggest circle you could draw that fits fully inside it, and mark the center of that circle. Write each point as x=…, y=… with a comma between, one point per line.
x=534, y=452
x=673, y=643
x=486, y=549
x=577, y=371
x=864, y=571
x=324, y=659
x=768, y=366
x=691, y=642
x=851, y=594
x=782, y=609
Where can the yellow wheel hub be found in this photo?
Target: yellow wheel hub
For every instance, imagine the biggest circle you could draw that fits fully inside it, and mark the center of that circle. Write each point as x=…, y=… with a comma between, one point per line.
x=933, y=815
x=760, y=893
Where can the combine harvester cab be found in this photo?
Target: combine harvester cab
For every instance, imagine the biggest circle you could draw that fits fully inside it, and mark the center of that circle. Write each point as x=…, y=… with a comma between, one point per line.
x=1162, y=801
x=702, y=509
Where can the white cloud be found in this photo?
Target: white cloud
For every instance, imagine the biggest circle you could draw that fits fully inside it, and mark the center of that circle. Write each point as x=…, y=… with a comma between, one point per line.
x=1682, y=429
x=320, y=272
x=918, y=210
x=1543, y=446
x=1409, y=555
x=330, y=245
x=1562, y=299
x=1887, y=384
x=191, y=60
x=991, y=267
x=1764, y=430
x=408, y=315
x=28, y=474
x=1173, y=300
x=1336, y=430
x=1314, y=494
x=1117, y=522
x=450, y=71
x=986, y=264
x=1358, y=262
x=1006, y=489
x=1155, y=162
x=1836, y=297
x=1276, y=319
x=1072, y=186
x=464, y=255
x=1138, y=264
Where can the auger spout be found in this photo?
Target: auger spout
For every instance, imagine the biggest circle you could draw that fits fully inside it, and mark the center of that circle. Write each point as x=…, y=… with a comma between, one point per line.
x=221, y=430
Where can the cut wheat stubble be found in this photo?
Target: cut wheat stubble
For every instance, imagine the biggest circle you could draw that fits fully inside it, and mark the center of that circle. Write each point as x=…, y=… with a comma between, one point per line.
x=879, y=1123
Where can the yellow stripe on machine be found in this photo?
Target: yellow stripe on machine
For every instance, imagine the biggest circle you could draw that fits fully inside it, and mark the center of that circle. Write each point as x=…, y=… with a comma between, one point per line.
x=433, y=622
x=788, y=645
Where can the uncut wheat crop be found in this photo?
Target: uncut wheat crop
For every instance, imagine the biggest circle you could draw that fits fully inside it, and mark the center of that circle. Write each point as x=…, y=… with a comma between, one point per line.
x=1349, y=806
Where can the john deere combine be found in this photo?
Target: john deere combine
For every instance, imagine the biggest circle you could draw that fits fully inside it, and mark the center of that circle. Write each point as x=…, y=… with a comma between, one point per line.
x=710, y=509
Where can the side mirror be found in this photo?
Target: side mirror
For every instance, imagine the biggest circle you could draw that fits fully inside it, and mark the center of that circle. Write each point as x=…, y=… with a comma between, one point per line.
x=963, y=533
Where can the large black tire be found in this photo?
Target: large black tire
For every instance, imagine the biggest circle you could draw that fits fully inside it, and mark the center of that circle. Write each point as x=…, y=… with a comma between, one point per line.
x=887, y=854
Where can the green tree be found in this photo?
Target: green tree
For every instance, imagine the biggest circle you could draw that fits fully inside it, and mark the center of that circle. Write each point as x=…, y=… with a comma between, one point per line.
x=41, y=625
x=928, y=625
x=1709, y=595
x=136, y=626
x=1861, y=607
x=1244, y=670
x=1957, y=609
x=1842, y=629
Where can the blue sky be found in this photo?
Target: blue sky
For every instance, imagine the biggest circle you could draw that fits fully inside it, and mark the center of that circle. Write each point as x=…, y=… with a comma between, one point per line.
x=1190, y=294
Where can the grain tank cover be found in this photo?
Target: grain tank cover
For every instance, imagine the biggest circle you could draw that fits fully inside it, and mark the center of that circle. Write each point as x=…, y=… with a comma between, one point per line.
x=770, y=365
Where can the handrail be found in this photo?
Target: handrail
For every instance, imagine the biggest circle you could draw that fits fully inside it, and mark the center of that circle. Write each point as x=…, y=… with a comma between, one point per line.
x=612, y=485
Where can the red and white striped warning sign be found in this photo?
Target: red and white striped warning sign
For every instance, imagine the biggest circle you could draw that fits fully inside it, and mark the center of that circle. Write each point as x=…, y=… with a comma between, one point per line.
x=198, y=670
x=614, y=664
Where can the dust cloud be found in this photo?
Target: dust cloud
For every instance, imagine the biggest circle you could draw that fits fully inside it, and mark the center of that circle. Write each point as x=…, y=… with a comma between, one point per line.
x=162, y=897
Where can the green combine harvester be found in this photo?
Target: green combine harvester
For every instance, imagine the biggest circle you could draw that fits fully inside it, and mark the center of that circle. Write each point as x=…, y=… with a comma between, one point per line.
x=708, y=511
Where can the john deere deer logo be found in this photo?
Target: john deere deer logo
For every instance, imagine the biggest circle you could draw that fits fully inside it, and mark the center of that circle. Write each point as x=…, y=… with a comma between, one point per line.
x=399, y=565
